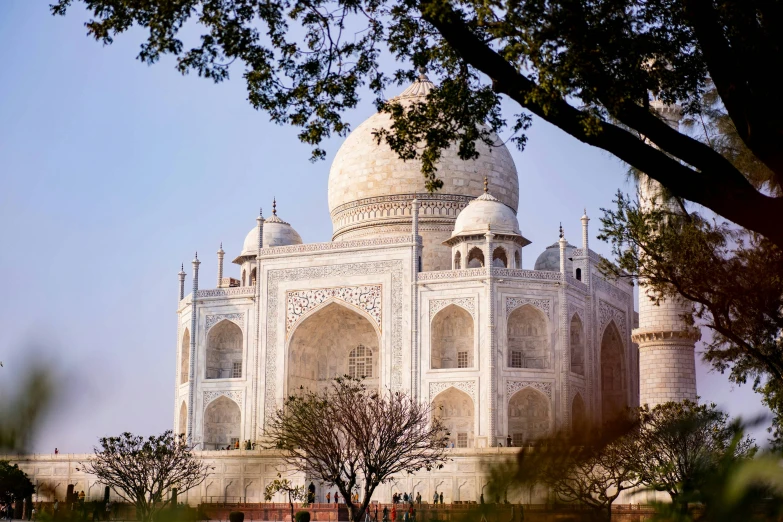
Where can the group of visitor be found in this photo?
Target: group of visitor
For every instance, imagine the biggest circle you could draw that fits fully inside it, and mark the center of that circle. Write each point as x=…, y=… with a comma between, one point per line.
x=406, y=499
x=408, y=515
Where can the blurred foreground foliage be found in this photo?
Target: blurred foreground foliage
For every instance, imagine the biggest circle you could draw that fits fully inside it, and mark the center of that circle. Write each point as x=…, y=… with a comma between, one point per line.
x=22, y=409
x=705, y=464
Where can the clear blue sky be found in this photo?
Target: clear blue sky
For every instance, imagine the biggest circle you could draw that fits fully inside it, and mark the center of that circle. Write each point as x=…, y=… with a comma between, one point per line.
x=112, y=173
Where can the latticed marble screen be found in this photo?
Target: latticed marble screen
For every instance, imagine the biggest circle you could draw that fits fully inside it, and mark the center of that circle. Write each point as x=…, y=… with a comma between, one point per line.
x=360, y=362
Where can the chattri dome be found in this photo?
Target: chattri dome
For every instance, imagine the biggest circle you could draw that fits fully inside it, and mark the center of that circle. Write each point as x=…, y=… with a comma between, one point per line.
x=550, y=258
x=486, y=213
x=276, y=233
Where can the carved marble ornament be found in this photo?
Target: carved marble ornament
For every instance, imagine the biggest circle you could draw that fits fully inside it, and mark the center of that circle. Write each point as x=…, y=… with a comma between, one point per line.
x=365, y=297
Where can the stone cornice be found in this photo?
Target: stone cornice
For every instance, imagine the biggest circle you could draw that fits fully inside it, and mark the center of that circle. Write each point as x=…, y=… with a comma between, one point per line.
x=646, y=335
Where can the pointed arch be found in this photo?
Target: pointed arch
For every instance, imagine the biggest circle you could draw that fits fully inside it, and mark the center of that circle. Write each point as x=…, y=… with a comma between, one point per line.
x=499, y=258
x=325, y=342
x=184, y=358
x=452, y=338
x=475, y=258
x=456, y=411
x=613, y=374
x=578, y=414
x=252, y=281
x=338, y=302
x=224, y=351
x=457, y=261
x=527, y=335
x=183, y=419
x=517, y=260
x=529, y=416
x=222, y=423
x=577, y=345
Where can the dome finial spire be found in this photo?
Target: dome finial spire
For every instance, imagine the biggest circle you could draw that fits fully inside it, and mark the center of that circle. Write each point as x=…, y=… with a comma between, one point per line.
x=274, y=206
x=486, y=184
x=561, y=230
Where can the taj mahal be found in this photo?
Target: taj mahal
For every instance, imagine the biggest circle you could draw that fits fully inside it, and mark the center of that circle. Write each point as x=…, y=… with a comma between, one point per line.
x=422, y=293
x=417, y=292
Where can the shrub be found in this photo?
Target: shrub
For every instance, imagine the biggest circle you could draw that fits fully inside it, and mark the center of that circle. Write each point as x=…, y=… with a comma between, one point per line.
x=302, y=516
x=236, y=516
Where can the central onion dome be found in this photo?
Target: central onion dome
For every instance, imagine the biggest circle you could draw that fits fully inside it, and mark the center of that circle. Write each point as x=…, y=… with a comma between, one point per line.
x=371, y=188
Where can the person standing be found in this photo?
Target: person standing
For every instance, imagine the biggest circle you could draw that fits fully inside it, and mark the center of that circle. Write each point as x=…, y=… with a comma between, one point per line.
x=328, y=497
x=441, y=497
x=336, y=497
x=394, y=513
x=435, y=498
x=385, y=513
x=418, y=498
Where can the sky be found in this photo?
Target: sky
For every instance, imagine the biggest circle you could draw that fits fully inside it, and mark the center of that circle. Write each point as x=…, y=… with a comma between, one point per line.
x=112, y=173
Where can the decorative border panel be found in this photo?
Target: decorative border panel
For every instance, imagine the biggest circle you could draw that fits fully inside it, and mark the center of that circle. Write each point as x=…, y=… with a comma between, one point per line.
x=607, y=313
x=514, y=386
x=610, y=289
x=366, y=298
x=228, y=292
x=468, y=387
x=234, y=395
x=468, y=303
x=238, y=319
x=275, y=277
x=573, y=309
x=512, y=303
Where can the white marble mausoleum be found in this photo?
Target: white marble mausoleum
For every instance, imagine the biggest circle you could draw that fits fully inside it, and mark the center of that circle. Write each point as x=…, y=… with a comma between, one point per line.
x=416, y=292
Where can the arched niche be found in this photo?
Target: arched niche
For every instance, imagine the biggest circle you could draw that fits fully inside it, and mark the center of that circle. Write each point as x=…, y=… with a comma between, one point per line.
x=455, y=410
x=183, y=419
x=578, y=415
x=528, y=416
x=577, y=345
x=224, y=351
x=528, y=339
x=253, y=277
x=451, y=339
x=330, y=342
x=475, y=258
x=499, y=258
x=222, y=423
x=613, y=382
x=457, y=261
x=184, y=358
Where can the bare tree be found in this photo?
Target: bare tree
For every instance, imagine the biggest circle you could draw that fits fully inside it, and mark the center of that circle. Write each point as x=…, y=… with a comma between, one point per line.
x=351, y=437
x=141, y=470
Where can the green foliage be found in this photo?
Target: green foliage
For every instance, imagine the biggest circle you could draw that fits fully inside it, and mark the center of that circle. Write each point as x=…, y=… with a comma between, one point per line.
x=302, y=516
x=733, y=278
x=595, y=69
x=142, y=470
x=681, y=446
x=14, y=483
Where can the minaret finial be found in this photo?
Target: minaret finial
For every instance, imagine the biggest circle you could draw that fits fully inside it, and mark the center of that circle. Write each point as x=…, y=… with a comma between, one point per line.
x=274, y=206
x=486, y=185
x=561, y=230
x=261, y=212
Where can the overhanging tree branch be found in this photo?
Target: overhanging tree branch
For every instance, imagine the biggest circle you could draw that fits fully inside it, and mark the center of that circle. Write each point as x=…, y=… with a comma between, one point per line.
x=727, y=193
